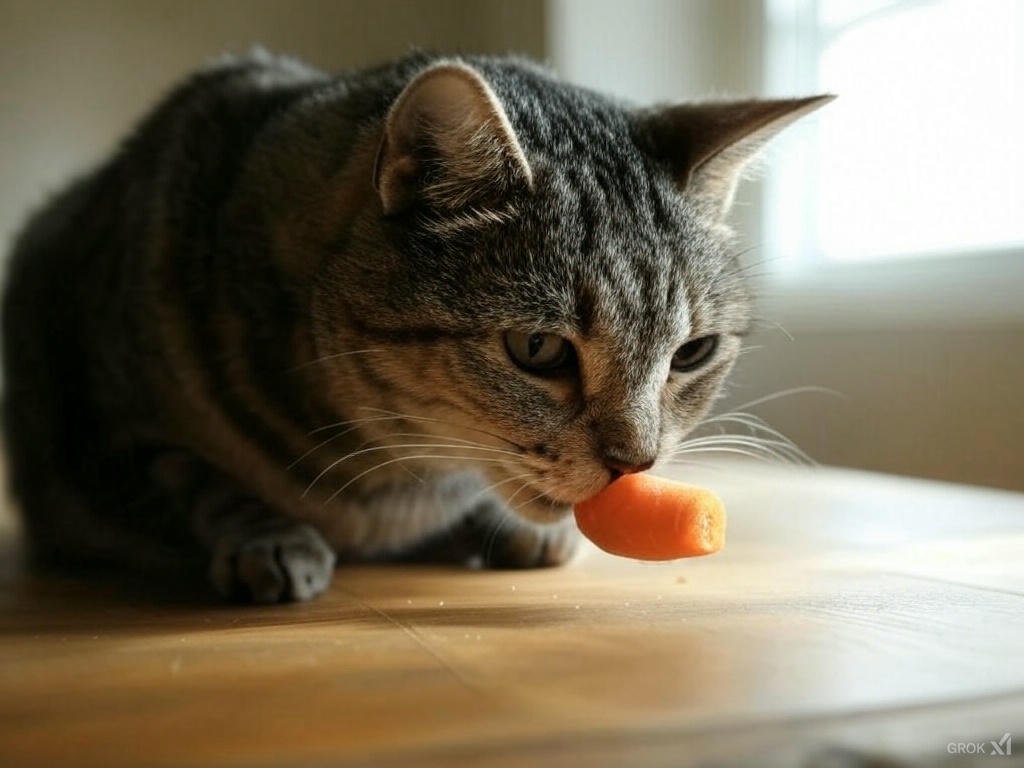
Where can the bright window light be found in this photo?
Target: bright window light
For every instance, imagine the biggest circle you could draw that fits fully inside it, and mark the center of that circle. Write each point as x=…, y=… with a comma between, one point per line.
x=923, y=152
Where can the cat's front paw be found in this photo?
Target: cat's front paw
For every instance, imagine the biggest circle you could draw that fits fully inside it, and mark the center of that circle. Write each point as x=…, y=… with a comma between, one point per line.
x=292, y=562
x=524, y=545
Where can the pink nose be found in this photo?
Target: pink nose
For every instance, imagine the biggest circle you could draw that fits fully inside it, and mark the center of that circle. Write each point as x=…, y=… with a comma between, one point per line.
x=618, y=468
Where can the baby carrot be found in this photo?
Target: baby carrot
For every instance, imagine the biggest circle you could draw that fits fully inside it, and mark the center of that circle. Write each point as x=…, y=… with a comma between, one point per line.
x=650, y=518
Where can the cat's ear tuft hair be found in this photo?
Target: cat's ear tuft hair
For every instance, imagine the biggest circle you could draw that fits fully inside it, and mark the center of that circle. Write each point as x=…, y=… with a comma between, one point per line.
x=707, y=145
x=448, y=143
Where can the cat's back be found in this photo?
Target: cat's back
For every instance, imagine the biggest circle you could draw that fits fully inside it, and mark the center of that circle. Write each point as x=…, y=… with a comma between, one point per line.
x=81, y=223
x=79, y=283
x=71, y=294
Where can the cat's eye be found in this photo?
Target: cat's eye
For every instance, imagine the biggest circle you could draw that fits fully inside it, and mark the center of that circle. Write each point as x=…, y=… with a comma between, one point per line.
x=539, y=352
x=694, y=353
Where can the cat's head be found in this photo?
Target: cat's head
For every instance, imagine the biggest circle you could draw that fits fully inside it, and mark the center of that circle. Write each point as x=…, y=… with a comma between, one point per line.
x=546, y=277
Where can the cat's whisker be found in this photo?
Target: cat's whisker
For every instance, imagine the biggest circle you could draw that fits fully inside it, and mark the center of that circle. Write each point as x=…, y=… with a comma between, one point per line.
x=778, y=450
x=507, y=514
x=493, y=536
x=737, y=264
x=324, y=444
x=401, y=446
x=345, y=423
x=788, y=393
x=773, y=448
x=744, y=270
x=737, y=451
x=750, y=249
x=353, y=424
x=333, y=356
x=749, y=419
x=747, y=451
x=749, y=274
x=753, y=438
x=351, y=429
x=749, y=441
x=780, y=327
x=464, y=441
x=494, y=486
x=443, y=421
x=425, y=435
x=529, y=501
x=361, y=475
x=510, y=499
x=756, y=423
x=785, y=447
x=453, y=446
x=411, y=474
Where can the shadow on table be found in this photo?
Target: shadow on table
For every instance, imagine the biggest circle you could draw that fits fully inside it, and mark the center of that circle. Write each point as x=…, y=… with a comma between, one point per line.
x=88, y=600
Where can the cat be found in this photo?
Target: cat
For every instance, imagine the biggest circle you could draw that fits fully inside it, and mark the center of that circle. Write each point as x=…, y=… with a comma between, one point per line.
x=299, y=319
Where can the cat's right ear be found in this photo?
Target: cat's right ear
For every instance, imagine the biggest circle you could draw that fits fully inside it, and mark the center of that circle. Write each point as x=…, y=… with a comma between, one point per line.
x=707, y=145
x=448, y=143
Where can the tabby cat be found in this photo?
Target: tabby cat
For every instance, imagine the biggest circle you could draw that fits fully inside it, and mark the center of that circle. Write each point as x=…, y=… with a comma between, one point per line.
x=301, y=318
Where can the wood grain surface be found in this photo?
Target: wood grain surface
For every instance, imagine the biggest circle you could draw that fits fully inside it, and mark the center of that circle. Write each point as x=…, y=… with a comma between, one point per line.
x=853, y=619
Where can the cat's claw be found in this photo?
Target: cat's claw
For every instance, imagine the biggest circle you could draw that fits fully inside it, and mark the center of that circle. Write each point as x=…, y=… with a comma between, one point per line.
x=292, y=563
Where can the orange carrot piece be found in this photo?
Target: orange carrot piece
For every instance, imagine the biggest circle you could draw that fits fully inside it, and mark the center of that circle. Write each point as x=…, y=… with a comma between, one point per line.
x=651, y=518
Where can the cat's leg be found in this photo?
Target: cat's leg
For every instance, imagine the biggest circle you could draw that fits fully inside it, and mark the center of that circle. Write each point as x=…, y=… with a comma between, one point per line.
x=444, y=519
x=255, y=554
x=501, y=539
x=259, y=555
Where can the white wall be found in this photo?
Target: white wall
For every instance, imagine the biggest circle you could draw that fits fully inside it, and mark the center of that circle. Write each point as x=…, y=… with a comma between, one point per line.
x=656, y=50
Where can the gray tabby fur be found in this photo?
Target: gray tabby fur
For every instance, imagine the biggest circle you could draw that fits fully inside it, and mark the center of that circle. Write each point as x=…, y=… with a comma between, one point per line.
x=182, y=323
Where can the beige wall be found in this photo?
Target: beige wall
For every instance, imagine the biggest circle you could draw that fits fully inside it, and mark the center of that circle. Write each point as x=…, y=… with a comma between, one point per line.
x=941, y=404
x=75, y=75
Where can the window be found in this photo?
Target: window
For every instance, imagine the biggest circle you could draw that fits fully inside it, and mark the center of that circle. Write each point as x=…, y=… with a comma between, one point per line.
x=900, y=204
x=922, y=154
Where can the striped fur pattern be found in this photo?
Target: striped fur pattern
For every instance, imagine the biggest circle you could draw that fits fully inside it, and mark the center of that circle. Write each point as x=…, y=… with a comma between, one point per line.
x=223, y=345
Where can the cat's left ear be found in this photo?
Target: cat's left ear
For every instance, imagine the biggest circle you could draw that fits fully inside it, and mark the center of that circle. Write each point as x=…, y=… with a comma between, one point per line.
x=707, y=145
x=448, y=143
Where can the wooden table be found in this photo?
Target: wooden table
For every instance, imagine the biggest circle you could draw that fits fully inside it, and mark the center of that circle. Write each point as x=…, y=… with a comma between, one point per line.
x=850, y=611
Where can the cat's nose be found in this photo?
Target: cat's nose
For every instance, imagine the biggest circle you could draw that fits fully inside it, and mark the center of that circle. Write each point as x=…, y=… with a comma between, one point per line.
x=619, y=465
